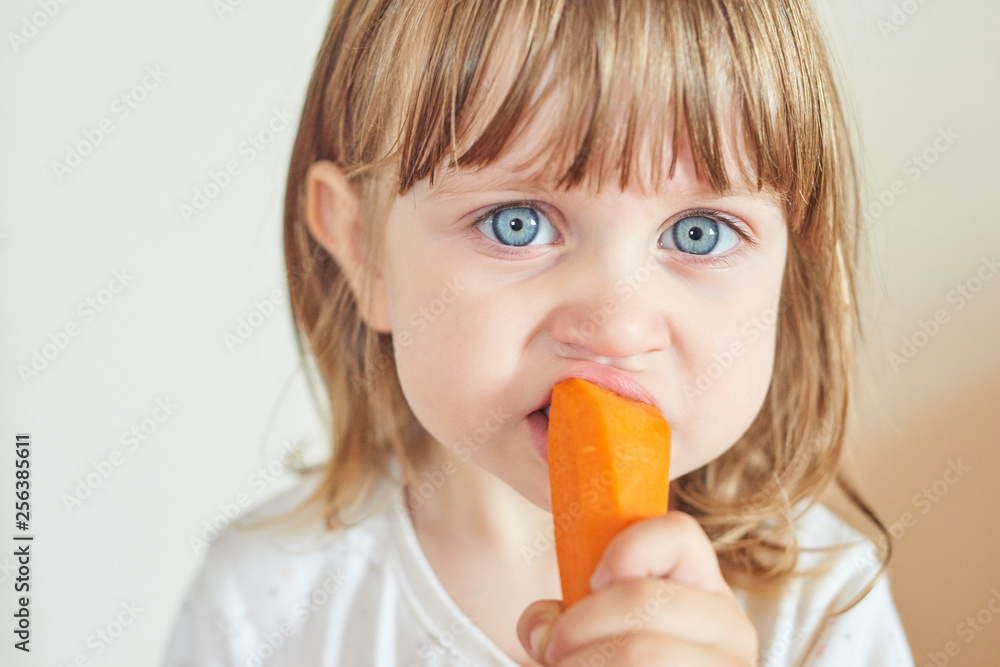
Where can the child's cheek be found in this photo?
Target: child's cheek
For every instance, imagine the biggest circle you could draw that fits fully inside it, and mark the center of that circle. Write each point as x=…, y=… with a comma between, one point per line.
x=725, y=387
x=442, y=334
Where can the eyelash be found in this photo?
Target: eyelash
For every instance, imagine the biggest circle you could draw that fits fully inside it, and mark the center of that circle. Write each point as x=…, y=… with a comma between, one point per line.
x=734, y=224
x=499, y=249
x=710, y=261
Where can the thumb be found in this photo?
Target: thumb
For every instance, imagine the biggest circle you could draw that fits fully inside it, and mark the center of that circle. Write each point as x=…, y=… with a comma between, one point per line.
x=535, y=626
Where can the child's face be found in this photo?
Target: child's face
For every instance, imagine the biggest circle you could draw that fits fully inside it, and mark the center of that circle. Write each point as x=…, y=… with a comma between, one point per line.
x=654, y=297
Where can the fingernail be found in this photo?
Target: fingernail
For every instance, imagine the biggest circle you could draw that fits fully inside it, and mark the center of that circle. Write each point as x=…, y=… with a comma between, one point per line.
x=538, y=638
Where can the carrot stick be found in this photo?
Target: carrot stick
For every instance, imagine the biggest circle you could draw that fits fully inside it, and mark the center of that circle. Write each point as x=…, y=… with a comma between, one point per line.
x=609, y=465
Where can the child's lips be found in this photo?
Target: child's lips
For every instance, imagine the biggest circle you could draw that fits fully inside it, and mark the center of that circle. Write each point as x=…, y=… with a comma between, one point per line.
x=606, y=378
x=611, y=379
x=538, y=425
x=602, y=376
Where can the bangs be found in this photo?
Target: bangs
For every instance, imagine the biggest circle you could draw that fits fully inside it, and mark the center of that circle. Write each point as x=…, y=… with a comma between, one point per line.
x=628, y=82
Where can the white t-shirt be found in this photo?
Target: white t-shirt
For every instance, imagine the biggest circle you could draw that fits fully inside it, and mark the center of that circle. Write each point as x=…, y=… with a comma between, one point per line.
x=366, y=596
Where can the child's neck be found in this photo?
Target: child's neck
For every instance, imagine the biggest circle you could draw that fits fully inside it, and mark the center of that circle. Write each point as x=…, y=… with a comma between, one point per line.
x=488, y=545
x=474, y=504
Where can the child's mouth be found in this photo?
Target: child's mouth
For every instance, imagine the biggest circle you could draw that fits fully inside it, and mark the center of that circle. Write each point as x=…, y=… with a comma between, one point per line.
x=538, y=424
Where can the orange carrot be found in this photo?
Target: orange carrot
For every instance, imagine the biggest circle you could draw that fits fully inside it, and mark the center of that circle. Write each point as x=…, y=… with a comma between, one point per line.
x=609, y=464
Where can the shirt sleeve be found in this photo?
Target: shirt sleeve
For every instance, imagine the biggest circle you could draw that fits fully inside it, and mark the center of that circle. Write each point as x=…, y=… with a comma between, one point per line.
x=212, y=622
x=869, y=634
x=805, y=624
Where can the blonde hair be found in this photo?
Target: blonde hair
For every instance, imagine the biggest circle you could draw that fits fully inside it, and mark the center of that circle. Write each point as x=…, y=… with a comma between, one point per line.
x=403, y=88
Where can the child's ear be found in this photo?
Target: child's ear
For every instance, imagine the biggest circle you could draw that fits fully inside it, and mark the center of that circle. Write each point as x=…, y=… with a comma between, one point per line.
x=335, y=219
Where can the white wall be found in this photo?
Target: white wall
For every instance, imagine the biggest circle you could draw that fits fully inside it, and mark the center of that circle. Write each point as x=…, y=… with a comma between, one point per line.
x=224, y=77
x=218, y=80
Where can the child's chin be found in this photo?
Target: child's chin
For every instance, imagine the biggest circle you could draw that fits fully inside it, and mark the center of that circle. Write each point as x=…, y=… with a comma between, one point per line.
x=534, y=488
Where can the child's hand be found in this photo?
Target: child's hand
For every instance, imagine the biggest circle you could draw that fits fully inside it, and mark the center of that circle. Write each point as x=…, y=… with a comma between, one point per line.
x=659, y=599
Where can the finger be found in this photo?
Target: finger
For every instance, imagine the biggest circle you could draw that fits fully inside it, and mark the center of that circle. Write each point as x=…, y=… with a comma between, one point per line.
x=535, y=626
x=673, y=546
x=650, y=650
x=657, y=606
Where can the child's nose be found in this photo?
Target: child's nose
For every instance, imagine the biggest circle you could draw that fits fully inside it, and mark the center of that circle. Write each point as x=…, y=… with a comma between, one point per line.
x=611, y=309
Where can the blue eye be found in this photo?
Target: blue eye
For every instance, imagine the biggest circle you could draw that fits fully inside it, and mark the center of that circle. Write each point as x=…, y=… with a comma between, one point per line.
x=518, y=226
x=699, y=235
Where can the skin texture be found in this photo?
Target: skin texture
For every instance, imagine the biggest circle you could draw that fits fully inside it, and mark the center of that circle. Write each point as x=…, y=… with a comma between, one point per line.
x=515, y=326
x=483, y=332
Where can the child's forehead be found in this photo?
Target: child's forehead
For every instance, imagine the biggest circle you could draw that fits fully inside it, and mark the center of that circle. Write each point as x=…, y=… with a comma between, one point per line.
x=522, y=168
x=499, y=183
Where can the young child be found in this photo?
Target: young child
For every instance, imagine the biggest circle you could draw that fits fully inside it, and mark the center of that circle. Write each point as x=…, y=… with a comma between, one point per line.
x=489, y=196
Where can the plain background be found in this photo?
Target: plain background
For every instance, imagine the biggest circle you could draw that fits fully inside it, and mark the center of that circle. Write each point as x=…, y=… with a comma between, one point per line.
x=226, y=71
